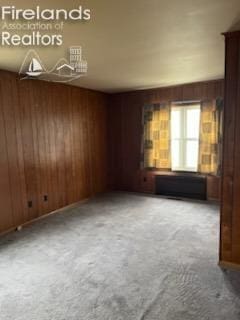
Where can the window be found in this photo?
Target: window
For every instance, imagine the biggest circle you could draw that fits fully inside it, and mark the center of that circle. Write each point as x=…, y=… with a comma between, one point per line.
x=185, y=123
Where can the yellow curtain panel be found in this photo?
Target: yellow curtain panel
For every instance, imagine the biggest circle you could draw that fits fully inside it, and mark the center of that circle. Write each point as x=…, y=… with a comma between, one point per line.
x=156, y=144
x=210, y=139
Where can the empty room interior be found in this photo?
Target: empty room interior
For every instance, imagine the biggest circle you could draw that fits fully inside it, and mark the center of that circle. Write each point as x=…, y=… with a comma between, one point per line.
x=120, y=160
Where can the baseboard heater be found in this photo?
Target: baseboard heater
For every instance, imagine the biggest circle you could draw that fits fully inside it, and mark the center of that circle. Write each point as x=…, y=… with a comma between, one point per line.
x=182, y=186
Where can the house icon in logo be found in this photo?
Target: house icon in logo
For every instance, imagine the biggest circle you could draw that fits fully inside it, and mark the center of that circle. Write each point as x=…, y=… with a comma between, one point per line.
x=64, y=68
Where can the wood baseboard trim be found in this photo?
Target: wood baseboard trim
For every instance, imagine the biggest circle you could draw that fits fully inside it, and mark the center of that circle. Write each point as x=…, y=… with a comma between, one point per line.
x=215, y=200
x=25, y=224
x=229, y=265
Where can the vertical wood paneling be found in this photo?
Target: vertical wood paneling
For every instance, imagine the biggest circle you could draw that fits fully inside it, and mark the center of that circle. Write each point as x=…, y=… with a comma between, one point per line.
x=49, y=148
x=59, y=100
x=13, y=151
x=29, y=157
x=6, y=212
x=68, y=147
x=213, y=188
x=51, y=134
x=230, y=209
x=114, y=141
x=53, y=142
x=228, y=147
x=80, y=141
x=97, y=133
x=40, y=146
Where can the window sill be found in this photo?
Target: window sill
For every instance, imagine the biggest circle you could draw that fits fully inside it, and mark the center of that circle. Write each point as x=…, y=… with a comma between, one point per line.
x=179, y=173
x=155, y=171
x=183, y=171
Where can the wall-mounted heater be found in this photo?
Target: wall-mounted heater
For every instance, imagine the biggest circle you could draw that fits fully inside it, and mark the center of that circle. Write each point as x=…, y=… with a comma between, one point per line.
x=182, y=186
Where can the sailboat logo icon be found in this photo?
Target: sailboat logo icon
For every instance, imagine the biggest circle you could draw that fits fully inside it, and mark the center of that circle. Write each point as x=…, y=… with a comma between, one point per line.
x=35, y=68
x=32, y=66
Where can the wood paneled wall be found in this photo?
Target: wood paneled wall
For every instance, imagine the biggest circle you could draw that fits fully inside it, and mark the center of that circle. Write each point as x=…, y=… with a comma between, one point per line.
x=69, y=143
x=125, y=116
x=53, y=142
x=230, y=211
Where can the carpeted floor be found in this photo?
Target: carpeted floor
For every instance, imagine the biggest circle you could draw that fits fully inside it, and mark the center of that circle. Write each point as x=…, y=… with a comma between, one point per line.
x=119, y=257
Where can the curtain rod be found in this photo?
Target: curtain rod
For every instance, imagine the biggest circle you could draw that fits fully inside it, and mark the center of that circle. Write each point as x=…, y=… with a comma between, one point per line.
x=186, y=102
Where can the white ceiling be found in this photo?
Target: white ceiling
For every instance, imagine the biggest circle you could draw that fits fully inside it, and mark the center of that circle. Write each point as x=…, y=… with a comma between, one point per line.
x=136, y=44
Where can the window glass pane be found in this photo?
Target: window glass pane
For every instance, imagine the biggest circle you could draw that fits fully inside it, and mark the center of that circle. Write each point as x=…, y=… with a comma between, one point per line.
x=193, y=122
x=175, y=123
x=185, y=125
x=192, y=154
x=175, y=154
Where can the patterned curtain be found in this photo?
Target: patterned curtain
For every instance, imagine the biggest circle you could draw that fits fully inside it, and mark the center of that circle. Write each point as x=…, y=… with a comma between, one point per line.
x=156, y=144
x=210, y=147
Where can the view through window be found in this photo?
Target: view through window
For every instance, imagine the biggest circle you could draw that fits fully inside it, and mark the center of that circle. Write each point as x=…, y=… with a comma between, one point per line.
x=185, y=123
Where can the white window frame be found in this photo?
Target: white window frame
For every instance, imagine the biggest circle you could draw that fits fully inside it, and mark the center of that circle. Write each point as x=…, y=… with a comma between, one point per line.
x=183, y=137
